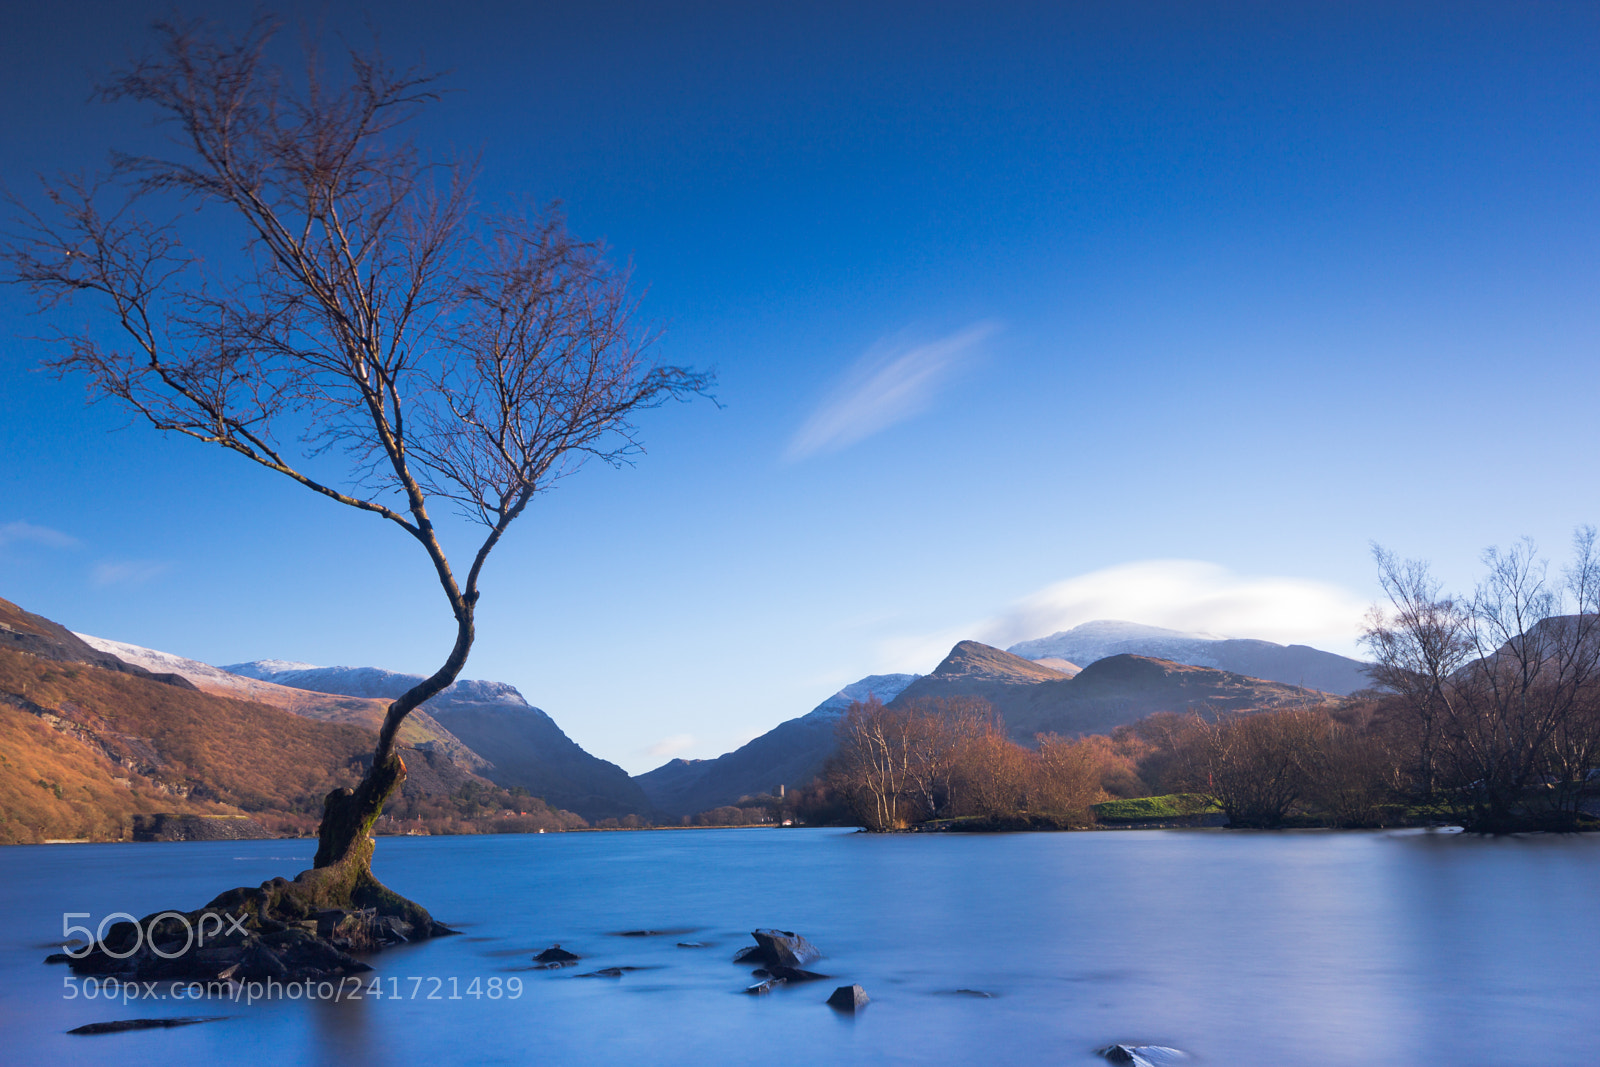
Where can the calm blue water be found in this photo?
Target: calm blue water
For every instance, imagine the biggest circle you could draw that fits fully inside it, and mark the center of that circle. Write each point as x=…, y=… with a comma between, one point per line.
x=1315, y=948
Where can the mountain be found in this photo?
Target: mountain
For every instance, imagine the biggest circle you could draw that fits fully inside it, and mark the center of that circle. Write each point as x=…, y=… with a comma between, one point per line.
x=89, y=740
x=86, y=747
x=522, y=745
x=1110, y=692
x=1299, y=665
x=420, y=730
x=791, y=754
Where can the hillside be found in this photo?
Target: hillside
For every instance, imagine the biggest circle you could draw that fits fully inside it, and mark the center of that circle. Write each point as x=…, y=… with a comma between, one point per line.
x=522, y=746
x=87, y=741
x=1298, y=665
x=86, y=747
x=1110, y=692
x=790, y=754
x=420, y=729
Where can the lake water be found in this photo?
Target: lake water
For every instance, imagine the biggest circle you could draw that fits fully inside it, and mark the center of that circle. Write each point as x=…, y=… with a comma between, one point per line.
x=1314, y=948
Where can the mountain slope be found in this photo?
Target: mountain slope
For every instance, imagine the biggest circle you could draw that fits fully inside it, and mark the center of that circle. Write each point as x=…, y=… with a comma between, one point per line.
x=23, y=631
x=1108, y=693
x=86, y=747
x=420, y=730
x=523, y=746
x=791, y=754
x=1299, y=665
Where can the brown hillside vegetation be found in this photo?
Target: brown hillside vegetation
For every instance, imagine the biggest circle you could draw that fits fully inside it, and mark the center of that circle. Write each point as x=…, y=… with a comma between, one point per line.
x=52, y=786
x=82, y=749
x=171, y=744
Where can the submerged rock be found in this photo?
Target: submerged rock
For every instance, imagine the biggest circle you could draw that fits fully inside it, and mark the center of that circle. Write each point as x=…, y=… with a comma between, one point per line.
x=795, y=974
x=761, y=989
x=556, y=956
x=1142, y=1055
x=118, y=1026
x=607, y=972
x=850, y=998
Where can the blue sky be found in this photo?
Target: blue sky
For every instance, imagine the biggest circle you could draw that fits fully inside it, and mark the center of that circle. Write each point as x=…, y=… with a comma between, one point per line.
x=1022, y=315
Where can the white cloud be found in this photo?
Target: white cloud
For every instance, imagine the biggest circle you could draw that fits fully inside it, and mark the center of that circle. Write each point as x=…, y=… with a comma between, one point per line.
x=668, y=747
x=888, y=384
x=127, y=572
x=27, y=533
x=1177, y=594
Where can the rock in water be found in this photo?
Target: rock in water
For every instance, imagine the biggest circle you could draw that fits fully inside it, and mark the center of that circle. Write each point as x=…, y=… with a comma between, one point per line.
x=795, y=974
x=785, y=948
x=1142, y=1055
x=120, y=1026
x=850, y=998
x=763, y=988
x=557, y=956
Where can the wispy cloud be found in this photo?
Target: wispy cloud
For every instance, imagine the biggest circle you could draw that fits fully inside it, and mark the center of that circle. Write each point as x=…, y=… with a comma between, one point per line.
x=668, y=747
x=889, y=384
x=126, y=572
x=27, y=533
x=1177, y=594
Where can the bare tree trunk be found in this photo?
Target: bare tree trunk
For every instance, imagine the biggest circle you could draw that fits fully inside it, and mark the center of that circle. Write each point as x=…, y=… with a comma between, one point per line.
x=341, y=874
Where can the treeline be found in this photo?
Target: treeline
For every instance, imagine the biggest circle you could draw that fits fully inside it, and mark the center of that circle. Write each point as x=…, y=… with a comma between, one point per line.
x=901, y=766
x=1355, y=765
x=475, y=808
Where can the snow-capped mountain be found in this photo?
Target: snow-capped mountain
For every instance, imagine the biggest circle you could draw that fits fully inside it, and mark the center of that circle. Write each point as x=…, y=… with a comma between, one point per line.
x=373, y=682
x=1290, y=664
x=883, y=686
x=524, y=745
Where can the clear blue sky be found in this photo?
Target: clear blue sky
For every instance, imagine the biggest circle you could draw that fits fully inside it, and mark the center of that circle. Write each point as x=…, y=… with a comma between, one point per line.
x=1000, y=297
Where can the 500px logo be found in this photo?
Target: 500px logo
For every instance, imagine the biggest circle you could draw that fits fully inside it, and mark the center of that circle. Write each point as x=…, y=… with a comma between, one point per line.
x=195, y=934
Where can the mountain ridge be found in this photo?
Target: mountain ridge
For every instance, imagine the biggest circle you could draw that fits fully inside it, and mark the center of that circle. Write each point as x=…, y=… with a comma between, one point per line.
x=522, y=744
x=1299, y=665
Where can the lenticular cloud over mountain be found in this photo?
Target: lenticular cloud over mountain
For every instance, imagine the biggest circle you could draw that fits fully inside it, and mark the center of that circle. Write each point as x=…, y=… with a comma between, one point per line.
x=1202, y=599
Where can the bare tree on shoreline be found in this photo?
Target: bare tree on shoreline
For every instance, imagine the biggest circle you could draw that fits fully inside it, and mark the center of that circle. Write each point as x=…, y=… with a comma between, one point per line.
x=1503, y=687
x=448, y=353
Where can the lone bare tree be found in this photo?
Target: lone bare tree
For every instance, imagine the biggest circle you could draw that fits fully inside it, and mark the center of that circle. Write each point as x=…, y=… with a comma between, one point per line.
x=450, y=354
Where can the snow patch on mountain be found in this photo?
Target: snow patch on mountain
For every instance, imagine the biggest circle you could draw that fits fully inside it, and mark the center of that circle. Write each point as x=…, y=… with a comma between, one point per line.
x=375, y=682
x=1110, y=637
x=159, y=662
x=883, y=686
